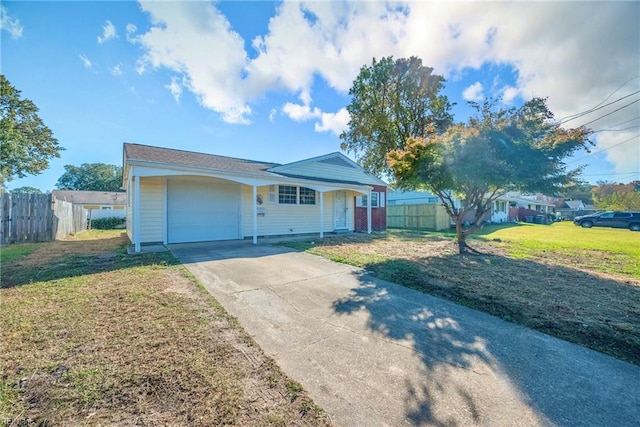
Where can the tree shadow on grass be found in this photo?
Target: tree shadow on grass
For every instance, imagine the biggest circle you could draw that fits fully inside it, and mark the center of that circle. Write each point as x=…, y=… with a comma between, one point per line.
x=475, y=367
x=72, y=258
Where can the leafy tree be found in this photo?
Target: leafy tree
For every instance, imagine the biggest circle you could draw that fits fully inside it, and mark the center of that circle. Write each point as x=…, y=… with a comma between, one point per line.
x=26, y=144
x=495, y=152
x=91, y=177
x=617, y=197
x=27, y=190
x=578, y=191
x=392, y=101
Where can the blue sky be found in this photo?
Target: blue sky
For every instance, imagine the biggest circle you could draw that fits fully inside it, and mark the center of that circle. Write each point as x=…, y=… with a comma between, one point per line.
x=269, y=80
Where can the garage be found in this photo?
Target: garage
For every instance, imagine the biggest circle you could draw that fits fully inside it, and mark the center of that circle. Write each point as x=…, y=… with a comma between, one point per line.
x=201, y=210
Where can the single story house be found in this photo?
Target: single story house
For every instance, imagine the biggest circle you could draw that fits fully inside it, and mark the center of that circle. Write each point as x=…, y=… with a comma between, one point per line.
x=510, y=207
x=500, y=212
x=100, y=204
x=569, y=209
x=176, y=196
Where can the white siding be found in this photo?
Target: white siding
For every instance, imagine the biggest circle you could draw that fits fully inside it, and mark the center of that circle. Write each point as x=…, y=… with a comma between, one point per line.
x=151, y=210
x=130, y=192
x=290, y=219
x=323, y=170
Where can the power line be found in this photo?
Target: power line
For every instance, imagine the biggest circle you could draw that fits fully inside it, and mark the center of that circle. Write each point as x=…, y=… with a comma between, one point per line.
x=601, y=102
x=614, y=111
x=610, y=174
x=584, y=113
x=604, y=149
x=616, y=130
x=619, y=124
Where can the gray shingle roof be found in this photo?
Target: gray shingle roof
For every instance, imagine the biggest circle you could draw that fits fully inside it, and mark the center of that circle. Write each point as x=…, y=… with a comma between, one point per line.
x=90, y=197
x=170, y=156
x=189, y=158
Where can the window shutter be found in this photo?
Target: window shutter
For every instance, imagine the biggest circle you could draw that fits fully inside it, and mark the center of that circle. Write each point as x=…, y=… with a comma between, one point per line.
x=381, y=200
x=272, y=194
x=359, y=201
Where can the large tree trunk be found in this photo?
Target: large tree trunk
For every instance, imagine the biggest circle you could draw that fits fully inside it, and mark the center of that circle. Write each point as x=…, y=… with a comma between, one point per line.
x=461, y=236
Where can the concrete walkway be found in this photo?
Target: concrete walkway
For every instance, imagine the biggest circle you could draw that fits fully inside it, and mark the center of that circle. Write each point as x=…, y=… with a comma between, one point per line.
x=373, y=353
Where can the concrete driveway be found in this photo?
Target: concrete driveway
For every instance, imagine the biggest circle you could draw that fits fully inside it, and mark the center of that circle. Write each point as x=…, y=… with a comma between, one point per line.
x=373, y=353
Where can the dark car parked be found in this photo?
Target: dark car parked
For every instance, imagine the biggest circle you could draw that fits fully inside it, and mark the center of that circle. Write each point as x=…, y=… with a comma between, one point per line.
x=617, y=219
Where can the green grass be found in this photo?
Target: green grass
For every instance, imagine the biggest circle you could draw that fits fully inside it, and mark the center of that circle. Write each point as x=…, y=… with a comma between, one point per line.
x=10, y=253
x=608, y=250
x=604, y=249
x=92, y=336
x=553, y=278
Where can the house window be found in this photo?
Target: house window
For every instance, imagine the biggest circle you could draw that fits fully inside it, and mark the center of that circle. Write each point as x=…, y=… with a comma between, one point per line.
x=374, y=199
x=272, y=194
x=307, y=196
x=287, y=194
x=377, y=200
x=292, y=195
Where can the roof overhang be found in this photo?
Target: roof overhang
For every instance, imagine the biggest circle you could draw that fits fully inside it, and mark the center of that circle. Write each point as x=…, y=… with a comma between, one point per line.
x=143, y=168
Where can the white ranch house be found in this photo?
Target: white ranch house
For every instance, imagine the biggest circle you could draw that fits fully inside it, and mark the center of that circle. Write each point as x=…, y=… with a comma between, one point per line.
x=176, y=196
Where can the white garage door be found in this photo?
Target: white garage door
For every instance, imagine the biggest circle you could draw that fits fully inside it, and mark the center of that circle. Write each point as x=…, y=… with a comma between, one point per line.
x=199, y=210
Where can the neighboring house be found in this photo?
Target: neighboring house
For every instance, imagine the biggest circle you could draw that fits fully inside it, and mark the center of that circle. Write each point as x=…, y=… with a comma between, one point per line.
x=177, y=196
x=569, y=209
x=100, y=204
x=512, y=206
x=499, y=213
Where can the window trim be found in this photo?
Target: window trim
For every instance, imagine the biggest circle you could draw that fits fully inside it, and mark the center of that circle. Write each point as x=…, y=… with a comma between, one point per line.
x=288, y=195
x=362, y=200
x=310, y=198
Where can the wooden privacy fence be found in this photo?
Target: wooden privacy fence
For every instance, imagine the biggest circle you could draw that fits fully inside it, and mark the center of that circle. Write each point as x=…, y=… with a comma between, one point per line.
x=429, y=216
x=38, y=218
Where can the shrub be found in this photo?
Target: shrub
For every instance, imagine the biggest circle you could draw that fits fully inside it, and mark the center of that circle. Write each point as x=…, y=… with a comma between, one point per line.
x=107, y=223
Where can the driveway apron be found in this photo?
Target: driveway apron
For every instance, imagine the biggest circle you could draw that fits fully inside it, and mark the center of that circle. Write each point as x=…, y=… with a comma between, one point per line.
x=373, y=353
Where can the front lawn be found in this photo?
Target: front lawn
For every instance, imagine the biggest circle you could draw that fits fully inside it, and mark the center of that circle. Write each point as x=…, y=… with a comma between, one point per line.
x=581, y=285
x=92, y=336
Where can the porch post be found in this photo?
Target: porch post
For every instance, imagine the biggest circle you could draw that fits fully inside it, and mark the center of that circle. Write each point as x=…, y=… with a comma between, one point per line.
x=321, y=215
x=255, y=215
x=369, y=213
x=136, y=213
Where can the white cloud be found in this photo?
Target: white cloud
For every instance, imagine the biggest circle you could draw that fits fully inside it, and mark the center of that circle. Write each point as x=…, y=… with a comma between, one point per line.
x=175, y=88
x=308, y=41
x=108, y=32
x=196, y=41
x=509, y=93
x=10, y=24
x=329, y=122
x=117, y=70
x=131, y=31
x=333, y=122
x=622, y=149
x=329, y=39
x=85, y=61
x=300, y=113
x=473, y=93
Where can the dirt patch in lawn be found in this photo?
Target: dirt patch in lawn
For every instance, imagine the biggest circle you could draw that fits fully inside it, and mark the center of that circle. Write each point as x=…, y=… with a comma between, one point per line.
x=556, y=294
x=92, y=336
